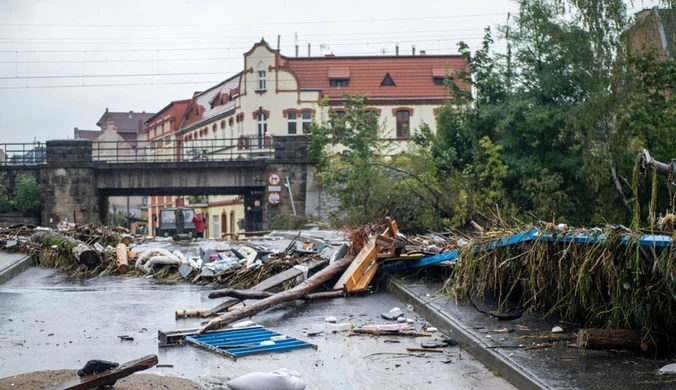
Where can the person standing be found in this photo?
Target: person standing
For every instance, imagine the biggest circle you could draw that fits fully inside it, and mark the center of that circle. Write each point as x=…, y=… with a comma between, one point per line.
x=256, y=216
x=179, y=219
x=198, y=220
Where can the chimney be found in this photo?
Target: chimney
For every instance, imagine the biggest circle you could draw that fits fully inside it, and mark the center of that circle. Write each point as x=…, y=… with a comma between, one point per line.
x=278, y=39
x=106, y=110
x=413, y=48
x=76, y=134
x=308, y=49
x=130, y=112
x=397, y=49
x=422, y=52
x=296, y=50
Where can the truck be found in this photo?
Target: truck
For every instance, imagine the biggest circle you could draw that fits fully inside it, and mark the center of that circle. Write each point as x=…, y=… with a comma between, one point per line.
x=166, y=225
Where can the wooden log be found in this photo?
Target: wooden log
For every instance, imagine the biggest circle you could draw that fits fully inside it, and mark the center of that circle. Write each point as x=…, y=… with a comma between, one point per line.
x=108, y=378
x=610, y=339
x=295, y=293
x=248, y=294
x=190, y=313
x=127, y=239
x=121, y=258
x=267, y=284
x=82, y=252
x=87, y=255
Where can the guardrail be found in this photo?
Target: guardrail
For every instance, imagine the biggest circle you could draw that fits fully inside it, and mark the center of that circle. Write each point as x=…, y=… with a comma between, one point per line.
x=27, y=154
x=217, y=149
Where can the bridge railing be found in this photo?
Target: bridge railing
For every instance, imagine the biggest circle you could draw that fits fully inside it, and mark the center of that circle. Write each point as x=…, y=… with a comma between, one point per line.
x=27, y=154
x=217, y=149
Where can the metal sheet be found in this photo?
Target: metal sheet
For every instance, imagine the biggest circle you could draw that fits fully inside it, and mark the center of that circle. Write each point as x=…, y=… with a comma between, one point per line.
x=657, y=241
x=235, y=343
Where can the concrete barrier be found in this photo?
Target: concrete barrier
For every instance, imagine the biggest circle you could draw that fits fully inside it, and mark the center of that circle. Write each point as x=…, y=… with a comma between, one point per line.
x=15, y=269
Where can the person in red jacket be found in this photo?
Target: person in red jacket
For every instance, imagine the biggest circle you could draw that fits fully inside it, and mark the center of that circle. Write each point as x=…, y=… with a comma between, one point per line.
x=198, y=220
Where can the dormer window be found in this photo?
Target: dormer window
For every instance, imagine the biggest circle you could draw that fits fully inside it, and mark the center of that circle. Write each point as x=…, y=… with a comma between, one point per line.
x=261, y=81
x=387, y=81
x=438, y=81
x=338, y=82
x=339, y=77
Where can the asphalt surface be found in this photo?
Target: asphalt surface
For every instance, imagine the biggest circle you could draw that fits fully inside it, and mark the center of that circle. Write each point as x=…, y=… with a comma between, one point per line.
x=49, y=321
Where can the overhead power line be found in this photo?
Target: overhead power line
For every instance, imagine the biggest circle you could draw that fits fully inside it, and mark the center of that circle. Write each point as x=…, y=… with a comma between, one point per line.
x=221, y=48
x=252, y=23
x=248, y=38
x=110, y=75
x=111, y=85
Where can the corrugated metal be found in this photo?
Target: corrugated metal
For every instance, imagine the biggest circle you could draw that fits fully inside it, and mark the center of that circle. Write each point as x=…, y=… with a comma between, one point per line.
x=235, y=343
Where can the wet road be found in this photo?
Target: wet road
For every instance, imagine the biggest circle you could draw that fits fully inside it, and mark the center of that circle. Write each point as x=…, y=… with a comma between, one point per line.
x=48, y=321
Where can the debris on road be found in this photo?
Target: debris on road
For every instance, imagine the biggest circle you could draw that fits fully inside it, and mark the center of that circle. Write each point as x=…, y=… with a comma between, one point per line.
x=108, y=377
x=280, y=379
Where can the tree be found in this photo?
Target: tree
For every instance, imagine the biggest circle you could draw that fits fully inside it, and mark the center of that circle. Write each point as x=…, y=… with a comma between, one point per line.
x=27, y=198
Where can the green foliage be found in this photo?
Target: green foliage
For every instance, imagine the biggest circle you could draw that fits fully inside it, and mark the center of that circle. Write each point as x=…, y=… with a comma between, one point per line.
x=552, y=129
x=116, y=218
x=27, y=199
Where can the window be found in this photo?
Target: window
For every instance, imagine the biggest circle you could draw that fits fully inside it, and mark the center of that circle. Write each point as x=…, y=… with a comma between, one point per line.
x=438, y=81
x=232, y=221
x=292, y=120
x=262, y=125
x=214, y=127
x=261, y=80
x=388, y=81
x=403, y=124
x=307, y=120
x=372, y=119
x=217, y=226
x=340, y=114
x=338, y=82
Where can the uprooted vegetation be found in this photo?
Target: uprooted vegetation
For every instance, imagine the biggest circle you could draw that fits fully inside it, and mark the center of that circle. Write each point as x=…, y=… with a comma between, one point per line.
x=603, y=278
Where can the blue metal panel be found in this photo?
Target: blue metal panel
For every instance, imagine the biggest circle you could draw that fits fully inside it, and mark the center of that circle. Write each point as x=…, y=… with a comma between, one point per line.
x=657, y=241
x=236, y=343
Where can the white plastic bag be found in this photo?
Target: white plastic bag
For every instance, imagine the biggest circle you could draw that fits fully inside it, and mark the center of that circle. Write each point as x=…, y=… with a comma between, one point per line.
x=281, y=379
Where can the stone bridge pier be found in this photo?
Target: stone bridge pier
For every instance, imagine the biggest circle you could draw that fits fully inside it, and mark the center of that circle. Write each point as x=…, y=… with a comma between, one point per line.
x=76, y=189
x=69, y=184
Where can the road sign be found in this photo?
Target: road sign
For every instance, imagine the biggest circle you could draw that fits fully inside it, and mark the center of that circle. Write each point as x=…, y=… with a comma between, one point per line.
x=274, y=179
x=273, y=197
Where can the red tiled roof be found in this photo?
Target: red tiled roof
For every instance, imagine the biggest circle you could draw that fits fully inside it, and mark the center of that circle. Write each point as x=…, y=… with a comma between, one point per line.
x=203, y=101
x=339, y=73
x=412, y=75
x=165, y=109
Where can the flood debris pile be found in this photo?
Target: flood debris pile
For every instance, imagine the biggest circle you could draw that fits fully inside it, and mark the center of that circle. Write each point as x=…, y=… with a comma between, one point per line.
x=611, y=278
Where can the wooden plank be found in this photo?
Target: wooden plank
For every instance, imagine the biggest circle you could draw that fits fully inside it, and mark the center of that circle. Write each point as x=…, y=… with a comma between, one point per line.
x=363, y=283
x=108, y=377
x=392, y=228
x=265, y=285
x=360, y=264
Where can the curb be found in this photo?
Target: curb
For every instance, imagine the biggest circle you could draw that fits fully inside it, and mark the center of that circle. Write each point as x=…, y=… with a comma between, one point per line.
x=15, y=269
x=450, y=326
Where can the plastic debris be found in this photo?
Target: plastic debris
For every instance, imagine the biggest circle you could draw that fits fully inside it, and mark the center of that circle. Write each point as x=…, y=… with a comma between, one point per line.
x=331, y=320
x=243, y=324
x=276, y=380
x=432, y=329
x=557, y=329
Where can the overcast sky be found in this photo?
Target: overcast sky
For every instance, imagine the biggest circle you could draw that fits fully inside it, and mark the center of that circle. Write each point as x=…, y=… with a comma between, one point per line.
x=44, y=43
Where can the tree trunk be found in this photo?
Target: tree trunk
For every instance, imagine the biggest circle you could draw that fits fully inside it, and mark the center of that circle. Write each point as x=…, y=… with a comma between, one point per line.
x=87, y=256
x=122, y=260
x=82, y=252
x=267, y=284
x=615, y=339
x=248, y=294
x=295, y=293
